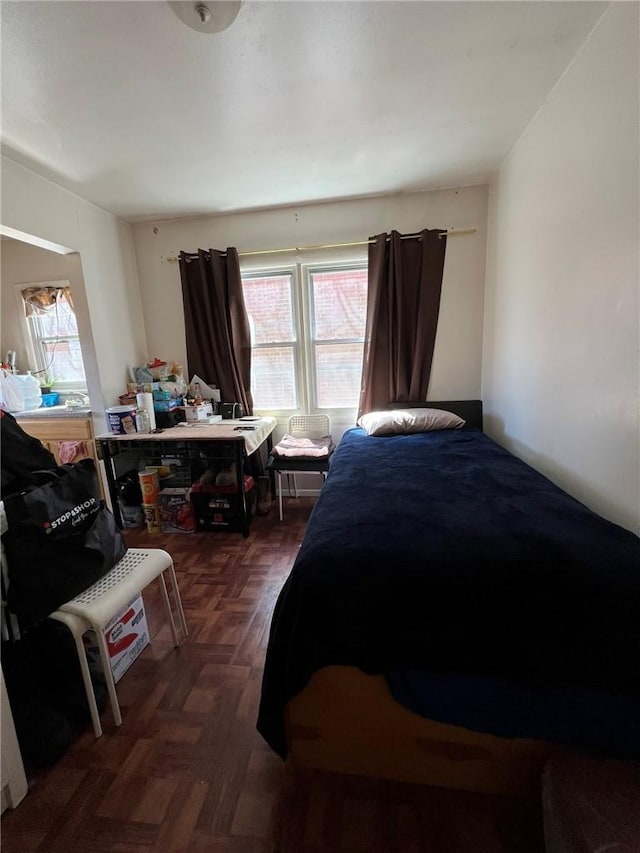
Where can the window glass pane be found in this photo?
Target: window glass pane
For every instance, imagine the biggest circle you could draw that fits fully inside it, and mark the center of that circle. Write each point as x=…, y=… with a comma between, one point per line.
x=273, y=383
x=63, y=360
x=338, y=373
x=270, y=309
x=339, y=304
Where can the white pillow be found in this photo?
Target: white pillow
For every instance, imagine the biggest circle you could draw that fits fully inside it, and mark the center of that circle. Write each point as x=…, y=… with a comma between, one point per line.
x=405, y=421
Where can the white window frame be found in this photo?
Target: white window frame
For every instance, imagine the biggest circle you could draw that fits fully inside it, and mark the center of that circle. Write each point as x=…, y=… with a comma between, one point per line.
x=310, y=335
x=35, y=352
x=304, y=350
x=296, y=343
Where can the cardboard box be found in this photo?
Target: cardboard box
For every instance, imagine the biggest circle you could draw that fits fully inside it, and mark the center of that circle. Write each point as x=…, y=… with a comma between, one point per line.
x=126, y=636
x=176, y=514
x=198, y=413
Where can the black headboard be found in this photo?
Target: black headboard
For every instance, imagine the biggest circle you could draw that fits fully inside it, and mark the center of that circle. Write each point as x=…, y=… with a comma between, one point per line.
x=470, y=410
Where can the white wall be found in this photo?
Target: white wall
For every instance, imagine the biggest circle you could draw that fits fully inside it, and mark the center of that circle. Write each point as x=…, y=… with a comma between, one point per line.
x=561, y=362
x=456, y=371
x=32, y=205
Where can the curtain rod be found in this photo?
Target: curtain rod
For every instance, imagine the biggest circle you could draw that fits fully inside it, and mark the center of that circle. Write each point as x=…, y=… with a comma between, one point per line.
x=452, y=233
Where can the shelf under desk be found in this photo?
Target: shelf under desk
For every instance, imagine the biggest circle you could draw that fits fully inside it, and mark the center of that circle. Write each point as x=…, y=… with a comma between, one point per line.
x=230, y=440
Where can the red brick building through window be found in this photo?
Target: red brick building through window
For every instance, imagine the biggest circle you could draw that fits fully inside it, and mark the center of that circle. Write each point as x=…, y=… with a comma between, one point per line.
x=307, y=325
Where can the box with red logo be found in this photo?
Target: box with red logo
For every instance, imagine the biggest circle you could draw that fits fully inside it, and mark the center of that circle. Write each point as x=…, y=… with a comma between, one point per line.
x=175, y=511
x=217, y=507
x=126, y=636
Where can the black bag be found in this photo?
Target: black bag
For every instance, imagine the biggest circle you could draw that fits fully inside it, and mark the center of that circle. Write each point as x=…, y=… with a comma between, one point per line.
x=21, y=455
x=61, y=539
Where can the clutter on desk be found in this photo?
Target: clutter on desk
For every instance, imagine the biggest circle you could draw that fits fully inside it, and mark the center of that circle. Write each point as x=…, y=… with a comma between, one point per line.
x=198, y=412
x=201, y=402
x=164, y=380
x=231, y=411
x=155, y=371
x=158, y=396
x=199, y=389
x=121, y=420
x=146, y=415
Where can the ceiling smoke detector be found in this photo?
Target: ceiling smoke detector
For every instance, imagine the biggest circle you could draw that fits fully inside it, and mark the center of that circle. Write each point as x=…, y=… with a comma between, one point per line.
x=210, y=17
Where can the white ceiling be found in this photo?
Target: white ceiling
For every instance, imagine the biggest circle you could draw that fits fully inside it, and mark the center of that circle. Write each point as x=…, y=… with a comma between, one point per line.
x=295, y=102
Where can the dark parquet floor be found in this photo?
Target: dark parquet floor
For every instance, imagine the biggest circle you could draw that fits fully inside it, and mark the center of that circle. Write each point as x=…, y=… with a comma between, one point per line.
x=188, y=773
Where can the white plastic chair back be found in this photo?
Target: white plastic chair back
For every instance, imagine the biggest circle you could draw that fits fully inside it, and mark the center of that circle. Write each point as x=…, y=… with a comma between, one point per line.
x=309, y=426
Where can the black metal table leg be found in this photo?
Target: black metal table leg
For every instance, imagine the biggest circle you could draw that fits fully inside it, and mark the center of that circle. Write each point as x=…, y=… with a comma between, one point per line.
x=272, y=476
x=239, y=460
x=104, y=452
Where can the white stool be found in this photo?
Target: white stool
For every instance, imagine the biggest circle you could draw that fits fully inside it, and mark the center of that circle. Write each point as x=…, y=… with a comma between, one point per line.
x=98, y=604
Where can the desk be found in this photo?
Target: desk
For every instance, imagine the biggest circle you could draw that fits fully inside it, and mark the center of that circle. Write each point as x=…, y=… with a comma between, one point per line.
x=194, y=445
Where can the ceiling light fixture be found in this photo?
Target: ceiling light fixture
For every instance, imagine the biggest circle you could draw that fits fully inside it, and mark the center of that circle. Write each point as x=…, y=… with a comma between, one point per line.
x=211, y=17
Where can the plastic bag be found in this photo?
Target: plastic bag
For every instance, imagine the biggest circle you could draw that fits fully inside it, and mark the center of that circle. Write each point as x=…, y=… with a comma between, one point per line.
x=29, y=389
x=143, y=376
x=61, y=539
x=11, y=393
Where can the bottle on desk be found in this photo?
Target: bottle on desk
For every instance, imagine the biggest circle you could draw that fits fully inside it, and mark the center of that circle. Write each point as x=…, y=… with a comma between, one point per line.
x=143, y=421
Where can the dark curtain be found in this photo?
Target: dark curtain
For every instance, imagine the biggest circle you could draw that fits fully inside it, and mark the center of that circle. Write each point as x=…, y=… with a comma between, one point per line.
x=216, y=323
x=405, y=281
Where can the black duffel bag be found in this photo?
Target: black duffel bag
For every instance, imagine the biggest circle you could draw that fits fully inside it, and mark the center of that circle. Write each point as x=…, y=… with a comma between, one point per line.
x=61, y=539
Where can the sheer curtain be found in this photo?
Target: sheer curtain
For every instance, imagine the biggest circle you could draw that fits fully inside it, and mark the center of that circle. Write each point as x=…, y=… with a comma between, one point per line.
x=403, y=302
x=216, y=323
x=38, y=300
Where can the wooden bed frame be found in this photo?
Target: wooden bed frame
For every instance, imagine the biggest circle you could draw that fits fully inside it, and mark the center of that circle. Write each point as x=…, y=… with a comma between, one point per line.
x=348, y=722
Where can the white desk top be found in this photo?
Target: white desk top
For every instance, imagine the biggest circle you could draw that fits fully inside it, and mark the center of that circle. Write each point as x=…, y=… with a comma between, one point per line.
x=226, y=430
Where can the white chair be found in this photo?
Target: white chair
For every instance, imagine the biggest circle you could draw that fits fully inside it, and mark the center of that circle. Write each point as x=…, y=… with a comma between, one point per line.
x=302, y=426
x=98, y=604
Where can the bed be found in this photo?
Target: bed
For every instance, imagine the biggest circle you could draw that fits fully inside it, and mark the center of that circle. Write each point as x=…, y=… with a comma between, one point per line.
x=451, y=615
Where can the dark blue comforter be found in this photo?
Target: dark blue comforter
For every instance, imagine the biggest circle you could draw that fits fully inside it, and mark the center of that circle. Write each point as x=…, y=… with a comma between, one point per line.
x=443, y=552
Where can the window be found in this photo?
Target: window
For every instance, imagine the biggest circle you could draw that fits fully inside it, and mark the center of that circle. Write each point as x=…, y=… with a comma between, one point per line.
x=307, y=333
x=53, y=334
x=274, y=347
x=338, y=299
